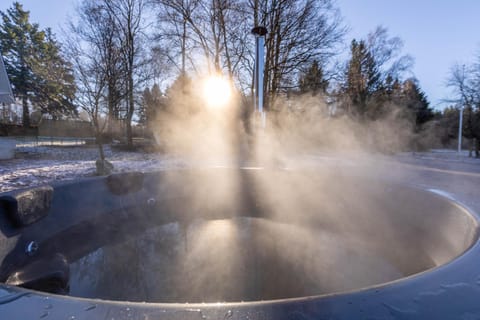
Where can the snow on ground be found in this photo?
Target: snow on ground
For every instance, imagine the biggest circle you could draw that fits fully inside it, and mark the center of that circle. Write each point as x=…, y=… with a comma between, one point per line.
x=37, y=165
x=441, y=155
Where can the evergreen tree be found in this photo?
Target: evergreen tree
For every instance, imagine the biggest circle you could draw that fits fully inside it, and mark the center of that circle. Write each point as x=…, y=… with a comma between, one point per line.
x=34, y=63
x=142, y=110
x=55, y=86
x=370, y=89
x=363, y=78
x=312, y=80
x=449, y=124
x=416, y=102
x=181, y=98
x=152, y=104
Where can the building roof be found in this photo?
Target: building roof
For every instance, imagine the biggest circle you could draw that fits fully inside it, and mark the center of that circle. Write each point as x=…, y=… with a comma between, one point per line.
x=6, y=95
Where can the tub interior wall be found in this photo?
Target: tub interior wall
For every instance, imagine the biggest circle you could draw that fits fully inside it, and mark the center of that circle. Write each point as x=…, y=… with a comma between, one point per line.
x=242, y=259
x=233, y=235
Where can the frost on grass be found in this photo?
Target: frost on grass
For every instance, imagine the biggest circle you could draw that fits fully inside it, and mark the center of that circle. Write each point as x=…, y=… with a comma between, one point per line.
x=40, y=165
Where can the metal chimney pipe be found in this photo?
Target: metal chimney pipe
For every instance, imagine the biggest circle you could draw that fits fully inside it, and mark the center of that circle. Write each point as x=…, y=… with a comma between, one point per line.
x=259, y=33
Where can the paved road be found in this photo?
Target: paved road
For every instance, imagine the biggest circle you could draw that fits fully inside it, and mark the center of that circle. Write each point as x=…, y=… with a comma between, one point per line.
x=459, y=178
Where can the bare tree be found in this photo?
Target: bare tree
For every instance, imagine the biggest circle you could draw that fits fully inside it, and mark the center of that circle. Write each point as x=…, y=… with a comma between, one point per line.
x=387, y=53
x=219, y=30
x=127, y=16
x=97, y=31
x=92, y=83
x=298, y=33
x=182, y=29
x=464, y=81
x=234, y=23
x=461, y=81
x=199, y=27
x=173, y=37
x=94, y=51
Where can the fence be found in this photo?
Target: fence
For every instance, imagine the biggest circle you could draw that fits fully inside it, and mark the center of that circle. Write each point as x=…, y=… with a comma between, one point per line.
x=64, y=132
x=65, y=128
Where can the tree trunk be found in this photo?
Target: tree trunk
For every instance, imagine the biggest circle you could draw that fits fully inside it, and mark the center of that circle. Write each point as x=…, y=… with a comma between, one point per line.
x=223, y=28
x=25, y=113
x=128, y=130
x=111, y=108
x=477, y=147
x=100, y=146
x=184, y=48
x=98, y=131
x=130, y=112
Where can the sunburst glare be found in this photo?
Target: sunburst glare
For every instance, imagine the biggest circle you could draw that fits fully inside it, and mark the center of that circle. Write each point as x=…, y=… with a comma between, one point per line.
x=217, y=91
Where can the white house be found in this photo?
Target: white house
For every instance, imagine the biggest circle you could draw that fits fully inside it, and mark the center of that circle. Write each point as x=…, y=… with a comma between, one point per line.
x=6, y=95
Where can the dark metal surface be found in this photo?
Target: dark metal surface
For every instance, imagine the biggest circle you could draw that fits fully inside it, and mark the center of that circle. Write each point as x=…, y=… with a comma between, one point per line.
x=431, y=241
x=27, y=206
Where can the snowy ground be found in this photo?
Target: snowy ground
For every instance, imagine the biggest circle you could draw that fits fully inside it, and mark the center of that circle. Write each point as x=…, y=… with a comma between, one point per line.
x=446, y=170
x=442, y=155
x=36, y=165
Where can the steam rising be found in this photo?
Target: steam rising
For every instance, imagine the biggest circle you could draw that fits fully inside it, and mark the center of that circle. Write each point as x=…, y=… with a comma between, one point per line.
x=201, y=123
x=210, y=124
x=286, y=231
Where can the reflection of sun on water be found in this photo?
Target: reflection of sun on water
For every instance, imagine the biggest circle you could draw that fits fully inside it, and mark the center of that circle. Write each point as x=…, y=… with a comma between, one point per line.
x=217, y=91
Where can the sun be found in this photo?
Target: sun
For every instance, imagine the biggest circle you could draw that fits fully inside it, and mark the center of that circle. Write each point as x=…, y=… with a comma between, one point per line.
x=217, y=91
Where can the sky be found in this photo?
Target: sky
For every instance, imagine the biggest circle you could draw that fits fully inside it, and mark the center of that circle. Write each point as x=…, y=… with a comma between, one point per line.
x=437, y=33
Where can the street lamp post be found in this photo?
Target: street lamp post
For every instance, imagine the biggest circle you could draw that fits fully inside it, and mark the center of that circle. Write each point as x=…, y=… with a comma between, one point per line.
x=460, y=126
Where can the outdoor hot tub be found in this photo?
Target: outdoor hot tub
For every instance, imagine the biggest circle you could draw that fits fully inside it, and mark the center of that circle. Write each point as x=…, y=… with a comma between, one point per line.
x=247, y=243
